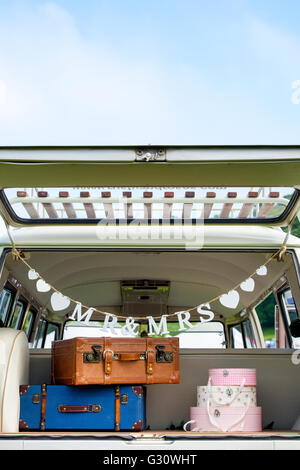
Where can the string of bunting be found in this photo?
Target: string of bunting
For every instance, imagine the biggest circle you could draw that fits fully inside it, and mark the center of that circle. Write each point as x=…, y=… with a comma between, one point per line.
x=229, y=300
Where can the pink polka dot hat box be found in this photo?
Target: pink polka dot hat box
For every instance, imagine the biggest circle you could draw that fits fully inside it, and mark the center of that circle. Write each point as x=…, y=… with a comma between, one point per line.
x=226, y=395
x=235, y=376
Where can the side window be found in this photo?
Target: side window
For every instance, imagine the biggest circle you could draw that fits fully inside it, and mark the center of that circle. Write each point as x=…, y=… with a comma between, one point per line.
x=275, y=316
x=15, y=320
x=28, y=322
x=51, y=334
x=39, y=335
x=236, y=337
x=6, y=299
x=248, y=334
x=289, y=312
x=266, y=312
x=242, y=336
x=46, y=333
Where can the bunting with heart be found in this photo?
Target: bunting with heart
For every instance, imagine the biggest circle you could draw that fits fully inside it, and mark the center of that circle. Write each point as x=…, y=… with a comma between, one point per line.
x=156, y=325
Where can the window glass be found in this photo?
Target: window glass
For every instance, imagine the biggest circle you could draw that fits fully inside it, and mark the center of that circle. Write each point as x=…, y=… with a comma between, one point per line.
x=266, y=314
x=51, y=335
x=289, y=305
x=249, y=335
x=75, y=329
x=290, y=311
x=15, y=320
x=236, y=335
x=202, y=336
x=39, y=336
x=248, y=203
x=28, y=322
x=5, y=302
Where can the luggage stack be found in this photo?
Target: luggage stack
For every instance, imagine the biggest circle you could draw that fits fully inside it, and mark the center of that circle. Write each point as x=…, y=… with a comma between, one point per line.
x=99, y=384
x=227, y=403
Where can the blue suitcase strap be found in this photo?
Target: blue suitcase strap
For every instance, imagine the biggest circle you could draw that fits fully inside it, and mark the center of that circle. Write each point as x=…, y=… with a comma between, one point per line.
x=117, y=408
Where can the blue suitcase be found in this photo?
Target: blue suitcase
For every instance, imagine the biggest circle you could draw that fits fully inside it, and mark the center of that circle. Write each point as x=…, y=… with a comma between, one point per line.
x=82, y=407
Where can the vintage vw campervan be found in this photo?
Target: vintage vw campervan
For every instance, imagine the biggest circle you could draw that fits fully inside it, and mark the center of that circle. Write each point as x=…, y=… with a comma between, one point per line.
x=189, y=242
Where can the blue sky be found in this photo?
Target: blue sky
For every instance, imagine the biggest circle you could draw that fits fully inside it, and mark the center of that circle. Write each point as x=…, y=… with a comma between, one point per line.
x=162, y=72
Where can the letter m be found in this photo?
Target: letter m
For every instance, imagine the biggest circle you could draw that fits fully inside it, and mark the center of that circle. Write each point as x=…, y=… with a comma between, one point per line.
x=78, y=316
x=161, y=329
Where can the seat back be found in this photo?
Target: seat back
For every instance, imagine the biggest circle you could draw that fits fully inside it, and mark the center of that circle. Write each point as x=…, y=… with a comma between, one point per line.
x=14, y=371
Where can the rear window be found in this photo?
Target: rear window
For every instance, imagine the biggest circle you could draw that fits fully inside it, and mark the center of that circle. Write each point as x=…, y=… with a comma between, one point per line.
x=214, y=204
x=202, y=335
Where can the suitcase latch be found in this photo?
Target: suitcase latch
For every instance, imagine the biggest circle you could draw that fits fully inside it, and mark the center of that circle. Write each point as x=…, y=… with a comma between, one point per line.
x=94, y=356
x=162, y=355
x=36, y=398
x=124, y=399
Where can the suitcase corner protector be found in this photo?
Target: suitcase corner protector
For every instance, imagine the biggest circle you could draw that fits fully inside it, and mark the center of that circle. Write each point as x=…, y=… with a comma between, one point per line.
x=23, y=389
x=23, y=426
x=138, y=390
x=137, y=425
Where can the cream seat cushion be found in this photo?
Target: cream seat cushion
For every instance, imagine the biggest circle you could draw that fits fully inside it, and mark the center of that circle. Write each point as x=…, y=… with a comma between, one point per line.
x=14, y=371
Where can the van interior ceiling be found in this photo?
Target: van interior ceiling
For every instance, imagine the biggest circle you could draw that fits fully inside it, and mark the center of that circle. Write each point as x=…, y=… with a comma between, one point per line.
x=97, y=278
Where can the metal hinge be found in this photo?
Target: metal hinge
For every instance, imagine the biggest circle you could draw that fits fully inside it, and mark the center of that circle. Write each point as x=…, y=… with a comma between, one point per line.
x=150, y=155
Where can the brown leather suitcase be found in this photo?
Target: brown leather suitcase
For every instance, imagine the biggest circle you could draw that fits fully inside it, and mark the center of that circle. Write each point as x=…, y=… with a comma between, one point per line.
x=84, y=361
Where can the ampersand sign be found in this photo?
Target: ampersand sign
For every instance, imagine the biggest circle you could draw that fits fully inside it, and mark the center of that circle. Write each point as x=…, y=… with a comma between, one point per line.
x=130, y=328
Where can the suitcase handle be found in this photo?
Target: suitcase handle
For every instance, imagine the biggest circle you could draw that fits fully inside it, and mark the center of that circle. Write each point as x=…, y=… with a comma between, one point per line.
x=79, y=408
x=129, y=356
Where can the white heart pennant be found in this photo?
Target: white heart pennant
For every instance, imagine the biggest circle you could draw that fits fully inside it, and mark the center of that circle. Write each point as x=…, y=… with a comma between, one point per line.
x=59, y=301
x=248, y=285
x=42, y=286
x=231, y=299
x=32, y=275
x=262, y=271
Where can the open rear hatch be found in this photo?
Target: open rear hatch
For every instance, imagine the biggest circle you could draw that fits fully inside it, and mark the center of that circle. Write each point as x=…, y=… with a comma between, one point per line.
x=91, y=185
x=86, y=185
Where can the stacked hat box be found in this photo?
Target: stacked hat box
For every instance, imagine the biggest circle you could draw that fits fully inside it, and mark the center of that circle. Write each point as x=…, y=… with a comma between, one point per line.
x=227, y=403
